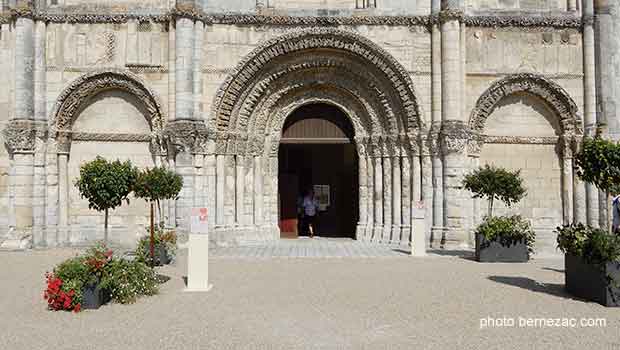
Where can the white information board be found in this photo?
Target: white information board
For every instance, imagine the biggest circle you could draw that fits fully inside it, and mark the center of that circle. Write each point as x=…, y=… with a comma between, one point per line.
x=199, y=221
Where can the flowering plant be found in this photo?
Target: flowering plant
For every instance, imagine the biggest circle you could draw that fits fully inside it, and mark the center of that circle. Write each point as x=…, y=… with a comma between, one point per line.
x=165, y=238
x=61, y=296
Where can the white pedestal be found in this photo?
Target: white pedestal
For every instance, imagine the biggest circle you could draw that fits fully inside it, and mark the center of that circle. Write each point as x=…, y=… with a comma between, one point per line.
x=418, y=237
x=198, y=263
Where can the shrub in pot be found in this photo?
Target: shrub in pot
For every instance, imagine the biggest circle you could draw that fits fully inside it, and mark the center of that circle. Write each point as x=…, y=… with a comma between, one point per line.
x=95, y=278
x=503, y=238
x=75, y=283
x=592, y=263
x=164, y=247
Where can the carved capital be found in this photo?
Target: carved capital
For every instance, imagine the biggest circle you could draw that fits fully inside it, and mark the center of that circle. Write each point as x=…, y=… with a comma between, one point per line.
x=451, y=14
x=454, y=137
x=20, y=135
x=186, y=136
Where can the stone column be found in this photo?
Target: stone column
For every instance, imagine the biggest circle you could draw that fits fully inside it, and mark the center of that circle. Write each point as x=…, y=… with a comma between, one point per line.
x=378, y=197
x=248, y=192
x=453, y=128
x=572, y=5
x=405, y=237
x=258, y=192
x=589, y=97
x=370, y=213
x=427, y=193
x=172, y=204
x=363, y=192
x=437, y=230
x=184, y=68
x=567, y=180
x=220, y=188
x=239, y=189
x=274, y=207
x=210, y=191
x=197, y=109
x=185, y=167
x=434, y=202
x=387, y=198
x=396, y=198
x=63, y=198
x=229, y=191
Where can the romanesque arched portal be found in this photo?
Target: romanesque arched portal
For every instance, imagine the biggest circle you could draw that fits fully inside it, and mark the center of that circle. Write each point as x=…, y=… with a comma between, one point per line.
x=317, y=65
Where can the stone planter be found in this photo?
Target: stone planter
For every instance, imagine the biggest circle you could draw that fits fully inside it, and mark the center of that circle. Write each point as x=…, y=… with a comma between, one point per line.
x=494, y=251
x=590, y=282
x=93, y=296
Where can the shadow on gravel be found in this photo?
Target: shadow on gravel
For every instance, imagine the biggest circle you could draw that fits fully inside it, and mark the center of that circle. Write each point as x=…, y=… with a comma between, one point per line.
x=402, y=251
x=463, y=254
x=161, y=279
x=529, y=284
x=552, y=269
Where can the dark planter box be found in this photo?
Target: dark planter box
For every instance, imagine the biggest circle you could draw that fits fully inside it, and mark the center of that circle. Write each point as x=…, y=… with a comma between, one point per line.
x=161, y=255
x=589, y=281
x=93, y=296
x=494, y=251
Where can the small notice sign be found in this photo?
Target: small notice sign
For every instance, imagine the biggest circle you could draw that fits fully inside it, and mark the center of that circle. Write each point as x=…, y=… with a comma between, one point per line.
x=199, y=223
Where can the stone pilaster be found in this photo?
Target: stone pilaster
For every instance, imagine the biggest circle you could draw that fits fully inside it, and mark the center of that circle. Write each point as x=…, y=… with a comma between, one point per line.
x=210, y=190
x=229, y=191
x=427, y=188
x=370, y=213
x=579, y=189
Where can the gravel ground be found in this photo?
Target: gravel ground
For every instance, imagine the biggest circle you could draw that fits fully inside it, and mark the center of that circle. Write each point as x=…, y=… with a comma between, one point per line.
x=326, y=303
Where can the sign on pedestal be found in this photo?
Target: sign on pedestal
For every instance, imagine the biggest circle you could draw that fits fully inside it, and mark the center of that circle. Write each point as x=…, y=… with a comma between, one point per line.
x=198, y=252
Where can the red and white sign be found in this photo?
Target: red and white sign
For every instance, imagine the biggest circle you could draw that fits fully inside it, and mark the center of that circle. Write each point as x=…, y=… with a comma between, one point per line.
x=199, y=221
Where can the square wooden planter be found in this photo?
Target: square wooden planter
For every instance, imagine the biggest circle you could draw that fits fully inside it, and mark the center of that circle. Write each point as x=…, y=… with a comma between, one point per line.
x=494, y=251
x=590, y=282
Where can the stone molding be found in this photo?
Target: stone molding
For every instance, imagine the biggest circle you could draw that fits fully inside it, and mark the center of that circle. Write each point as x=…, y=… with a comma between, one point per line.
x=550, y=92
x=88, y=85
x=21, y=135
x=525, y=20
x=521, y=140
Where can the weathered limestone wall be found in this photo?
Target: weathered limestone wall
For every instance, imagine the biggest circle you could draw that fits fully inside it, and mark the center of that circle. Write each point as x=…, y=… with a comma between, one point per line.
x=7, y=57
x=523, y=115
x=528, y=5
x=607, y=36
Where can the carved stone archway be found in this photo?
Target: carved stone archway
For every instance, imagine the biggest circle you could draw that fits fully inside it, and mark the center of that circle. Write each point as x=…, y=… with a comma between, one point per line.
x=326, y=65
x=571, y=130
x=75, y=96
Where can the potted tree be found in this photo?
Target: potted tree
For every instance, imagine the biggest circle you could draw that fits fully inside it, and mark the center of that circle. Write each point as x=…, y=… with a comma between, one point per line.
x=591, y=255
x=501, y=238
x=155, y=185
x=106, y=185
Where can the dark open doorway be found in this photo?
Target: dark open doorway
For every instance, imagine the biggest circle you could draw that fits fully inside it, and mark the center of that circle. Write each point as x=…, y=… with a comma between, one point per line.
x=317, y=151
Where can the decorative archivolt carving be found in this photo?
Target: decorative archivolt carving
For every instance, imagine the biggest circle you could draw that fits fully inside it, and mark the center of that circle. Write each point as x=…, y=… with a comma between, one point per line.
x=77, y=94
x=245, y=73
x=550, y=92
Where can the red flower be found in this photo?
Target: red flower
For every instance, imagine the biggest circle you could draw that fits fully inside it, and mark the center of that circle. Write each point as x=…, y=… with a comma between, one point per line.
x=77, y=308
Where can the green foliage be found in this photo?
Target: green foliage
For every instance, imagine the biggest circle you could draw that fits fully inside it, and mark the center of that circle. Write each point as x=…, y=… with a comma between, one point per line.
x=166, y=238
x=593, y=245
x=106, y=184
x=158, y=183
x=75, y=274
x=495, y=183
x=127, y=280
x=507, y=230
x=599, y=164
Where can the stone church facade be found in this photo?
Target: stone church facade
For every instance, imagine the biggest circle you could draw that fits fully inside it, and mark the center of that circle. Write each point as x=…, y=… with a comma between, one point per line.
x=431, y=88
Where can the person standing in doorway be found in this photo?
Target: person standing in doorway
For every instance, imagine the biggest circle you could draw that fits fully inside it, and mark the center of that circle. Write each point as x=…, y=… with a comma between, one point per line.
x=310, y=207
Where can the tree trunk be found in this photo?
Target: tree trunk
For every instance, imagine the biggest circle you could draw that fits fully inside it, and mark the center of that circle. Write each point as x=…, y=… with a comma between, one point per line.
x=105, y=228
x=161, y=217
x=152, y=245
x=491, y=207
x=609, y=214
